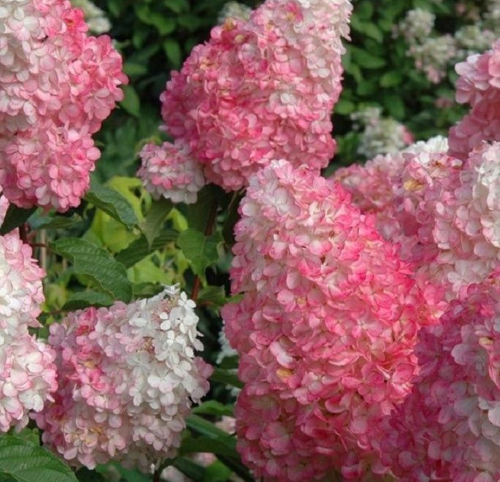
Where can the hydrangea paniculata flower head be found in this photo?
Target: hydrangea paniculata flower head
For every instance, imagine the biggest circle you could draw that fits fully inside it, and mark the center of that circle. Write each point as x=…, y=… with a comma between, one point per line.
x=128, y=376
x=169, y=169
x=449, y=426
x=235, y=10
x=325, y=330
x=21, y=291
x=478, y=86
x=57, y=85
x=259, y=90
x=442, y=211
x=27, y=370
x=375, y=184
x=379, y=135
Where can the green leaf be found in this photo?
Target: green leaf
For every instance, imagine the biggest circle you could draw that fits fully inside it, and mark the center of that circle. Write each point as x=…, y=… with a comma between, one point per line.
x=112, y=203
x=31, y=435
x=190, y=468
x=14, y=218
x=217, y=472
x=39, y=221
x=131, y=475
x=26, y=462
x=177, y=6
x=366, y=60
x=345, y=107
x=85, y=299
x=97, y=264
x=365, y=10
x=140, y=249
x=372, y=31
x=133, y=69
x=394, y=104
x=199, y=213
x=200, y=250
x=115, y=7
x=226, y=377
x=173, y=51
x=391, y=79
x=222, y=445
x=229, y=363
x=86, y=475
x=131, y=102
x=146, y=290
x=155, y=219
x=366, y=88
x=212, y=407
x=204, y=428
x=213, y=296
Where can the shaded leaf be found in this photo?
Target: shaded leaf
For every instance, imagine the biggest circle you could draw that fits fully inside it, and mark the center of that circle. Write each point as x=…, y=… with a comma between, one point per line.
x=200, y=250
x=213, y=407
x=155, y=219
x=112, y=203
x=141, y=248
x=131, y=102
x=226, y=377
x=213, y=295
x=24, y=461
x=14, y=218
x=39, y=221
x=97, y=264
x=85, y=299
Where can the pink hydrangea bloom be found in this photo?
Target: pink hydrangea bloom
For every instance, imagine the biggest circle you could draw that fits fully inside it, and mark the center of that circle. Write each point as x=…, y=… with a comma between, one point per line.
x=441, y=210
x=27, y=370
x=57, y=85
x=478, y=86
x=374, y=185
x=325, y=330
x=127, y=375
x=169, y=171
x=27, y=378
x=261, y=89
x=21, y=290
x=449, y=427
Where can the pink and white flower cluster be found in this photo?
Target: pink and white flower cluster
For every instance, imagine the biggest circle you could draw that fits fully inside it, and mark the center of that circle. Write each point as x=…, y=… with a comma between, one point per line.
x=448, y=428
x=442, y=211
x=259, y=90
x=27, y=370
x=57, y=85
x=326, y=329
x=478, y=86
x=127, y=377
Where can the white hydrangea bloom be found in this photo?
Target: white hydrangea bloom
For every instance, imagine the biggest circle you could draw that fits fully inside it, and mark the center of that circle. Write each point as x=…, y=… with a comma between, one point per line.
x=417, y=25
x=235, y=10
x=128, y=377
x=379, y=135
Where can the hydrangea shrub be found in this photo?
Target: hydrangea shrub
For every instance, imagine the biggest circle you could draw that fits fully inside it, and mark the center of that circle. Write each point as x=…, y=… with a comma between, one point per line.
x=348, y=314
